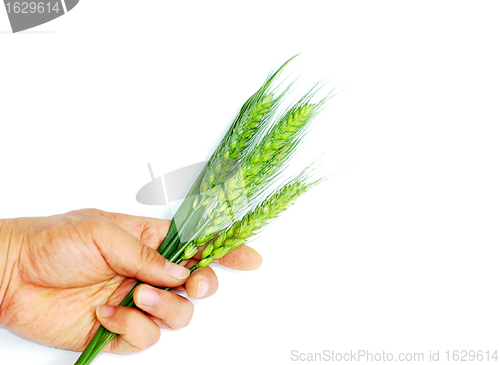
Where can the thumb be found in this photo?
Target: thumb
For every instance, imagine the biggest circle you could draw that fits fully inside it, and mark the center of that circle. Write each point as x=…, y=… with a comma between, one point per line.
x=128, y=256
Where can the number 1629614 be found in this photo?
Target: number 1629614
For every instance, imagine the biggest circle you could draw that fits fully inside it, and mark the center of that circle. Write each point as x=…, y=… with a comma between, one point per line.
x=32, y=7
x=471, y=355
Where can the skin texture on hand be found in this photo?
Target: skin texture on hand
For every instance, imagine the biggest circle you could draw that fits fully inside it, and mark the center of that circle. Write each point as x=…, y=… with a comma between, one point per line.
x=8, y=257
x=64, y=275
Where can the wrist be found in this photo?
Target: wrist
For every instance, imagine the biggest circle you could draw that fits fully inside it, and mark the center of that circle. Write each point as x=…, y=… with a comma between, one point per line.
x=9, y=255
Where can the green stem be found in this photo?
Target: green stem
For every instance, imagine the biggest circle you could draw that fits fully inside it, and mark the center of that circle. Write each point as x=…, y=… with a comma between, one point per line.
x=102, y=337
x=181, y=248
x=173, y=244
x=107, y=336
x=170, y=246
x=175, y=240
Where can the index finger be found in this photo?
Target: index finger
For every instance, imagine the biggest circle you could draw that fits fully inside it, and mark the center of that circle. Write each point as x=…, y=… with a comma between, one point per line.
x=152, y=231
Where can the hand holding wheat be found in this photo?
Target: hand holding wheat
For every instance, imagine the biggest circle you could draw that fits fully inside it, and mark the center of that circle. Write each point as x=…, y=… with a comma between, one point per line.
x=60, y=269
x=233, y=199
x=230, y=201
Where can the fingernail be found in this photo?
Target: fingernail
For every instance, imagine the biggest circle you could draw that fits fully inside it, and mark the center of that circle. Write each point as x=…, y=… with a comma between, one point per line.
x=105, y=311
x=203, y=288
x=176, y=271
x=148, y=296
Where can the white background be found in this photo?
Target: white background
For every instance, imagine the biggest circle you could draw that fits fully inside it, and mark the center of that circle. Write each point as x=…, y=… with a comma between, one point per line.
x=398, y=254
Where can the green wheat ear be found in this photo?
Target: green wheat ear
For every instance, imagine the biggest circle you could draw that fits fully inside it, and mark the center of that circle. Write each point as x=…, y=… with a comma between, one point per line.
x=259, y=168
x=253, y=118
x=264, y=213
x=259, y=217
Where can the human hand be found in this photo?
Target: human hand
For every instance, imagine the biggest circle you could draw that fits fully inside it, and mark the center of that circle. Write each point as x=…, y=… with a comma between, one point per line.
x=64, y=274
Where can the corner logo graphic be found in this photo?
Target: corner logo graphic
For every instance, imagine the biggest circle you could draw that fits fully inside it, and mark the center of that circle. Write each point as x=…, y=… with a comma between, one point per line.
x=29, y=14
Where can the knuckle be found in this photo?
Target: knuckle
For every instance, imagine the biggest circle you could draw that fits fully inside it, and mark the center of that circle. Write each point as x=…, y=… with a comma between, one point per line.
x=147, y=255
x=147, y=339
x=130, y=320
x=147, y=258
x=87, y=217
x=86, y=212
x=182, y=318
x=155, y=335
x=188, y=316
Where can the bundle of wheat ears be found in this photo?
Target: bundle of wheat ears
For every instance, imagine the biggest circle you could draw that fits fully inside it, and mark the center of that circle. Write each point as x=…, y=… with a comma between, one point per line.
x=236, y=196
